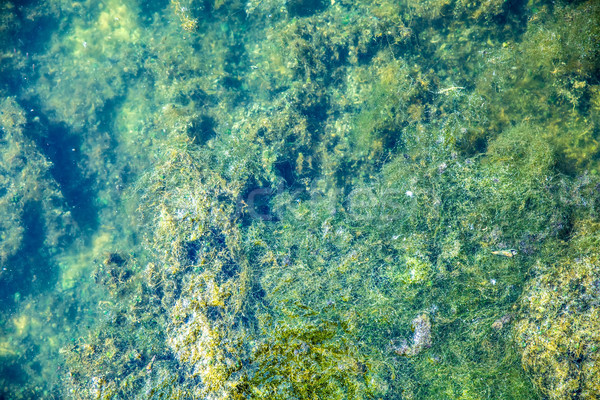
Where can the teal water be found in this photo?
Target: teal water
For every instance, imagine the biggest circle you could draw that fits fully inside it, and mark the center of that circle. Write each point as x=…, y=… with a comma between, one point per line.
x=299, y=199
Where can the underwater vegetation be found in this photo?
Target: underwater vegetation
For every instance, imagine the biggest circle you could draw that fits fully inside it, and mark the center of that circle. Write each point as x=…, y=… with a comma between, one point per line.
x=300, y=199
x=559, y=332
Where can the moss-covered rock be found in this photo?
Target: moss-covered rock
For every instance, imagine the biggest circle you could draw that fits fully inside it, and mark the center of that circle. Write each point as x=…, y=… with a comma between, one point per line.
x=559, y=325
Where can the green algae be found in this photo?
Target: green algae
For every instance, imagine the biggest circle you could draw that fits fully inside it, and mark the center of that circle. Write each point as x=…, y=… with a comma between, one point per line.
x=558, y=332
x=305, y=199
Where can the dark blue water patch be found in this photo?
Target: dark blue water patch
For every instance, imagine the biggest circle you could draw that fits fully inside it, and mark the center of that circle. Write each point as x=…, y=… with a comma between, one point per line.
x=515, y=15
x=203, y=129
x=11, y=374
x=62, y=147
x=149, y=10
x=30, y=270
x=305, y=8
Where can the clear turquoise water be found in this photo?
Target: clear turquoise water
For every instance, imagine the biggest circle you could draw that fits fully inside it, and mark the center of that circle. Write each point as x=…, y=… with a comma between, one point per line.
x=299, y=199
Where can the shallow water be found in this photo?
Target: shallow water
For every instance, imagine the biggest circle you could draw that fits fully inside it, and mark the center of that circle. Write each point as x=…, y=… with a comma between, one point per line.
x=299, y=199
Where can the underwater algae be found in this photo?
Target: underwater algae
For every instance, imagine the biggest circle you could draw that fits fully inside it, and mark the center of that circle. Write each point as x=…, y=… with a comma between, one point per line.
x=299, y=199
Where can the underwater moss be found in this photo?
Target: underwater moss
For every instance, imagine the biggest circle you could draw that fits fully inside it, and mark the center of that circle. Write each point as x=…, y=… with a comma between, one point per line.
x=307, y=199
x=557, y=330
x=99, y=55
x=126, y=352
x=546, y=77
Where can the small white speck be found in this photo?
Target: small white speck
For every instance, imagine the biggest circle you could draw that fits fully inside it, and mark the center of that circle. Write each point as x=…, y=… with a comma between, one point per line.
x=409, y=193
x=84, y=45
x=493, y=281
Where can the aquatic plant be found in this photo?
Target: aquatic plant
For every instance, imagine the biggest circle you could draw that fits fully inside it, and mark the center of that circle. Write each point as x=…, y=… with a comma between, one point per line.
x=346, y=199
x=557, y=330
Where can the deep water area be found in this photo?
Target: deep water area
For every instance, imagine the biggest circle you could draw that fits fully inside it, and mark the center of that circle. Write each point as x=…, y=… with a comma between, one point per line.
x=300, y=199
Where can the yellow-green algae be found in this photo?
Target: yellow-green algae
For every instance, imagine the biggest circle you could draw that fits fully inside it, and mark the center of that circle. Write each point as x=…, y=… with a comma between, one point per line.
x=559, y=332
x=302, y=199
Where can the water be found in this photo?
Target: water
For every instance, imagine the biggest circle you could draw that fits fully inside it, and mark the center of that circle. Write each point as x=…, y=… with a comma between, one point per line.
x=299, y=199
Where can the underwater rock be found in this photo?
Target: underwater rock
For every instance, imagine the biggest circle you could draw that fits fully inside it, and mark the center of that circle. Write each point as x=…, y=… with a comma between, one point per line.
x=500, y=322
x=421, y=337
x=560, y=325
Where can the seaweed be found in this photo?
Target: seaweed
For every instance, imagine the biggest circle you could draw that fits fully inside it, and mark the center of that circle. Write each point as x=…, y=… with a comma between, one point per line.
x=301, y=199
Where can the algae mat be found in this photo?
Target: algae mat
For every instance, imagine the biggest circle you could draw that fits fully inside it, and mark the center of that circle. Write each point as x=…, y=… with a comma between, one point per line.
x=299, y=199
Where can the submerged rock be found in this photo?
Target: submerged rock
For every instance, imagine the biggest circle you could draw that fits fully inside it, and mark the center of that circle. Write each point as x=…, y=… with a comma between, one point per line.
x=421, y=338
x=559, y=330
